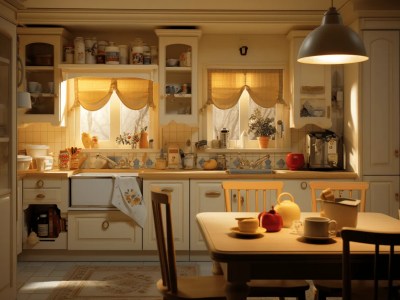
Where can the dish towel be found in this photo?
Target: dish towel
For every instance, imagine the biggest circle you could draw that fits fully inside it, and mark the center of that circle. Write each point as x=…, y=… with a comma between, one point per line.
x=128, y=198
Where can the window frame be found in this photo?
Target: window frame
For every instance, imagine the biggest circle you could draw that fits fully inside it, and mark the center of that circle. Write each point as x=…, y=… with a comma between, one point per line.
x=281, y=144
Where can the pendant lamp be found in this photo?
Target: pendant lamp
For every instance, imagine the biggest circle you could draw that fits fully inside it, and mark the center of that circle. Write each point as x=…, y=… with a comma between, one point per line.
x=332, y=43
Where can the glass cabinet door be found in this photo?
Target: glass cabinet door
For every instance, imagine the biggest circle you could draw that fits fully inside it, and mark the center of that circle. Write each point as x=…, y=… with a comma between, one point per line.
x=5, y=114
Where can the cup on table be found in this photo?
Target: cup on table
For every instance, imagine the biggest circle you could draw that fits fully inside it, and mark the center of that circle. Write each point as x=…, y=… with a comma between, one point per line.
x=319, y=227
x=248, y=225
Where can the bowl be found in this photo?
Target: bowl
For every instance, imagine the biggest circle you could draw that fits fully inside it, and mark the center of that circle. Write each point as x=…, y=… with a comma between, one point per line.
x=37, y=150
x=172, y=62
x=23, y=162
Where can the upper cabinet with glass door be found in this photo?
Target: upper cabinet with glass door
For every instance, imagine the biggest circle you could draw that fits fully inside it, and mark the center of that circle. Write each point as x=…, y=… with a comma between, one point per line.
x=40, y=50
x=310, y=89
x=178, y=75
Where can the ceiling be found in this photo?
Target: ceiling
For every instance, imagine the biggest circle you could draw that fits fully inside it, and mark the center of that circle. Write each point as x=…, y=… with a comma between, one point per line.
x=211, y=16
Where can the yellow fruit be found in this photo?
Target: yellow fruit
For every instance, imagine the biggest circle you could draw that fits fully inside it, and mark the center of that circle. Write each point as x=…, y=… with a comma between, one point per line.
x=210, y=164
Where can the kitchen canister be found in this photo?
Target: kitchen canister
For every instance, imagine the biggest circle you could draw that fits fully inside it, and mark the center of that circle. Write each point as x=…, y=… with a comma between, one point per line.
x=224, y=138
x=112, y=54
x=136, y=57
x=101, y=52
x=79, y=50
x=123, y=54
x=90, y=50
x=69, y=54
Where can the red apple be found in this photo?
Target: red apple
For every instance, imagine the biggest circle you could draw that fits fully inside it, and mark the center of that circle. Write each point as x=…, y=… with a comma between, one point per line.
x=272, y=221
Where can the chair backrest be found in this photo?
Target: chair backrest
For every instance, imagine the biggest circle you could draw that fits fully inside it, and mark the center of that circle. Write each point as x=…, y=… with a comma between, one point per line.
x=377, y=239
x=341, y=189
x=165, y=239
x=253, y=191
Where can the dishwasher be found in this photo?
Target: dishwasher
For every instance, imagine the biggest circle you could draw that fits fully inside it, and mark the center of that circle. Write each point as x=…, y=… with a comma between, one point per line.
x=93, y=191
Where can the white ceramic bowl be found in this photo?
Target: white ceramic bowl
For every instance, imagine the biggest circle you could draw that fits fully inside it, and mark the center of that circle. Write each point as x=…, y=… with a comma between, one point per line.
x=37, y=150
x=172, y=62
x=23, y=162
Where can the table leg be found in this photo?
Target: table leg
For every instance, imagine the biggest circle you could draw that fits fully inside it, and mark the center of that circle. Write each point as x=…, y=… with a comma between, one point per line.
x=236, y=290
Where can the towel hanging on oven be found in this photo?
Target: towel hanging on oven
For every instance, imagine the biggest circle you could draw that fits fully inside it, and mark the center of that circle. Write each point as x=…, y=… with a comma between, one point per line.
x=128, y=198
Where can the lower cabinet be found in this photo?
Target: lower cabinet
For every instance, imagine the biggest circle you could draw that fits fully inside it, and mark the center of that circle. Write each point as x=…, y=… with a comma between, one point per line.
x=301, y=192
x=102, y=230
x=205, y=195
x=180, y=212
x=383, y=194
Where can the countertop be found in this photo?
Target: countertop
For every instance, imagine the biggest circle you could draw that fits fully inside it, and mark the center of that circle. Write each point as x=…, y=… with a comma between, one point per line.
x=171, y=174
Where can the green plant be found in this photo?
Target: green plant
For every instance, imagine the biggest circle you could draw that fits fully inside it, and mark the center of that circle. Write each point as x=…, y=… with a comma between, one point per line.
x=261, y=126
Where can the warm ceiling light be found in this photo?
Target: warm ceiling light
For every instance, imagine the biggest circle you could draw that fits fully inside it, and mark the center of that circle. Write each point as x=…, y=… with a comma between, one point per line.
x=332, y=43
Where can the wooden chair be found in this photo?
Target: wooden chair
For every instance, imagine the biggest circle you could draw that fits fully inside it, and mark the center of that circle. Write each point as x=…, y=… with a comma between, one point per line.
x=371, y=289
x=340, y=189
x=253, y=194
x=333, y=288
x=170, y=285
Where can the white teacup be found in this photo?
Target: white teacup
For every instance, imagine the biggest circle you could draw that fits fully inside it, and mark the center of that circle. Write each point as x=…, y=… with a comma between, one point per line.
x=319, y=227
x=33, y=86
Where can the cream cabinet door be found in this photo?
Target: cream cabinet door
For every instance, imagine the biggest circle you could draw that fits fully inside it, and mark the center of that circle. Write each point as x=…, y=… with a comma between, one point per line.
x=383, y=194
x=180, y=212
x=380, y=103
x=205, y=196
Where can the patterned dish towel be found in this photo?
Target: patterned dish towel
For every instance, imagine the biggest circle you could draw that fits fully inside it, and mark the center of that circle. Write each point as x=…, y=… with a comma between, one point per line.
x=128, y=198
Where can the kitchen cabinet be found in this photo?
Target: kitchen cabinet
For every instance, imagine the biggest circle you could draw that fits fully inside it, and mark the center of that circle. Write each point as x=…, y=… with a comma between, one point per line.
x=102, y=230
x=8, y=221
x=41, y=51
x=383, y=194
x=48, y=196
x=205, y=195
x=180, y=212
x=178, y=83
x=380, y=108
x=380, y=103
x=310, y=89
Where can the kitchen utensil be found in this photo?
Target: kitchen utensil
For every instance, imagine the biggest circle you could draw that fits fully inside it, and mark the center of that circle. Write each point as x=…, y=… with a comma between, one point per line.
x=343, y=210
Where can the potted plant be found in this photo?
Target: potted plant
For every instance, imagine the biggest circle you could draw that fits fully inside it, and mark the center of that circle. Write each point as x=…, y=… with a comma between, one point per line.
x=262, y=127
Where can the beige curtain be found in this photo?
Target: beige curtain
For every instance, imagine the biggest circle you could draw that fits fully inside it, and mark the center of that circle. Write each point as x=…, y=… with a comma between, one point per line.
x=226, y=86
x=93, y=93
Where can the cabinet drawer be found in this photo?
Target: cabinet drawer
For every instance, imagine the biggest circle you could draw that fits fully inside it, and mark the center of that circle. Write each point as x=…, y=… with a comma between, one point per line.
x=109, y=230
x=41, y=196
x=42, y=183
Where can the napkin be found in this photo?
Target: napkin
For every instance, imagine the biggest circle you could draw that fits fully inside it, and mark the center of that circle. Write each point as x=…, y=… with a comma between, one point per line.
x=128, y=198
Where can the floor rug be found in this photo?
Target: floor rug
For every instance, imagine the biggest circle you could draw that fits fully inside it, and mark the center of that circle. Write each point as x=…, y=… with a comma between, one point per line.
x=114, y=282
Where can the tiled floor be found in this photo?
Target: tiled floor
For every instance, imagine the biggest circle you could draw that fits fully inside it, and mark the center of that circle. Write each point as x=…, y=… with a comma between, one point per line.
x=36, y=280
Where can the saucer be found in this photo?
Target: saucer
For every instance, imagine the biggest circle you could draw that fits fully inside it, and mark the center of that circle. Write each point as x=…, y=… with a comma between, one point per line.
x=317, y=238
x=259, y=230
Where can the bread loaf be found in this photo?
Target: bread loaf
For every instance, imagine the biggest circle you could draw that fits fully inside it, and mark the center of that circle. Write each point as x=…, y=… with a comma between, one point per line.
x=328, y=195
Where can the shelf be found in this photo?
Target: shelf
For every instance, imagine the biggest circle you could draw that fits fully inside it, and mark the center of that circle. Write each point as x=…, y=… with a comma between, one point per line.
x=38, y=68
x=4, y=139
x=178, y=69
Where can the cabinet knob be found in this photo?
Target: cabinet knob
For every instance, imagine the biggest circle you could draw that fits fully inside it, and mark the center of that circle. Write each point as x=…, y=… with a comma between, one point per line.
x=39, y=183
x=105, y=225
x=40, y=196
x=213, y=194
x=303, y=185
x=396, y=153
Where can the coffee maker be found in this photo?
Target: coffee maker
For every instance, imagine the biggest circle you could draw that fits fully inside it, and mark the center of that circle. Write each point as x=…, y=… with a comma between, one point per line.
x=324, y=151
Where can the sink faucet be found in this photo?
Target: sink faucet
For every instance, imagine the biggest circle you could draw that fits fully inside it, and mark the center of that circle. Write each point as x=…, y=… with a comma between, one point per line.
x=258, y=162
x=111, y=164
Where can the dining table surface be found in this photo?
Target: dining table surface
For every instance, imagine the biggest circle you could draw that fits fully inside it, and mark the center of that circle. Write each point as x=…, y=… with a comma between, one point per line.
x=284, y=254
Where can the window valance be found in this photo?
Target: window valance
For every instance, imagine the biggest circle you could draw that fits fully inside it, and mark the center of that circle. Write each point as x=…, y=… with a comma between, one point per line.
x=93, y=93
x=226, y=86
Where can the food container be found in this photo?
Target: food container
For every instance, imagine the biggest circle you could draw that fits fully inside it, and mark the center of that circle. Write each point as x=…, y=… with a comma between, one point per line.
x=172, y=62
x=37, y=150
x=23, y=162
x=343, y=210
x=44, y=163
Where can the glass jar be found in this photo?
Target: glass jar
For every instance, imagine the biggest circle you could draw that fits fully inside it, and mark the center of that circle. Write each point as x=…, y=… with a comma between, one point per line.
x=63, y=160
x=43, y=226
x=79, y=50
x=90, y=50
x=112, y=54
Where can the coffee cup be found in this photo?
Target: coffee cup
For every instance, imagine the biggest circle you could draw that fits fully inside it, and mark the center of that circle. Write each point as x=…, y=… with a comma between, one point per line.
x=319, y=227
x=40, y=163
x=33, y=86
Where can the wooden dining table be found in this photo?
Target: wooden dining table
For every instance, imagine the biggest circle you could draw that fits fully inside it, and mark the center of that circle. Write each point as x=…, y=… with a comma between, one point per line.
x=284, y=254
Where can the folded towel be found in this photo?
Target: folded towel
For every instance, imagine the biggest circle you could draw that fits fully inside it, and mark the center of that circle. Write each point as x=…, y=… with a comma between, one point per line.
x=128, y=198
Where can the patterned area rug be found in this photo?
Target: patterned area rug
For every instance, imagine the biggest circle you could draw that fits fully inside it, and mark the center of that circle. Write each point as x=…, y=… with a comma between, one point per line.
x=114, y=282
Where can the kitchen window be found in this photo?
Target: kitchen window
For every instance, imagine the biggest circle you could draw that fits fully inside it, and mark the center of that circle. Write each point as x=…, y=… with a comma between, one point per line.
x=235, y=94
x=108, y=108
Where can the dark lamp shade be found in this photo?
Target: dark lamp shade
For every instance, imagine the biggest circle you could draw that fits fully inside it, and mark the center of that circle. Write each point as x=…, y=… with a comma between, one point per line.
x=332, y=43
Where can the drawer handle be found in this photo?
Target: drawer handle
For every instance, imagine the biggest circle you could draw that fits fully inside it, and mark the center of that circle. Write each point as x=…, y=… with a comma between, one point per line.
x=213, y=194
x=105, y=225
x=167, y=189
x=40, y=183
x=40, y=196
